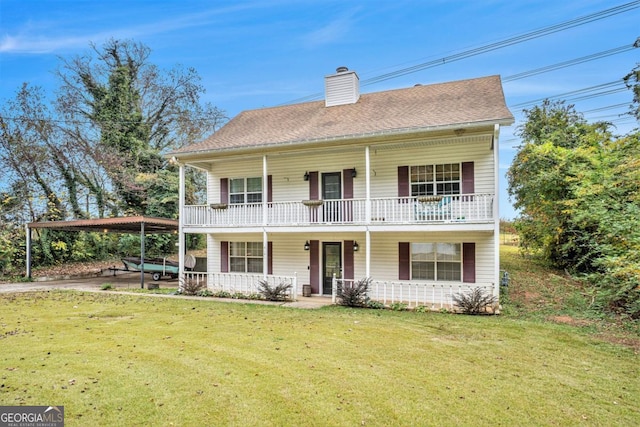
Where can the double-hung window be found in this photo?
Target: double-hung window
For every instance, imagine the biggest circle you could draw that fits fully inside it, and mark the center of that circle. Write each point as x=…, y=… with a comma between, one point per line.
x=436, y=261
x=245, y=257
x=245, y=190
x=429, y=180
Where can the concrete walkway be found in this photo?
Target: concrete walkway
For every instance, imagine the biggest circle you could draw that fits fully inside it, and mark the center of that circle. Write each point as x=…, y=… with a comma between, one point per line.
x=125, y=281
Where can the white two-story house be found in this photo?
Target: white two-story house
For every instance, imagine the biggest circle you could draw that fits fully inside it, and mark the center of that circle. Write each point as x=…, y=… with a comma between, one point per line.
x=398, y=186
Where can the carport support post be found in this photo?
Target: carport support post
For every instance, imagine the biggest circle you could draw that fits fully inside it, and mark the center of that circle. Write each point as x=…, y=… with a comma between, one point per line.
x=28, y=249
x=142, y=255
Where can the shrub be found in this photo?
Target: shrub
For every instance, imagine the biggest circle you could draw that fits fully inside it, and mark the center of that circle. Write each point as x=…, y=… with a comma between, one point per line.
x=106, y=287
x=191, y=286
x=278, y=292
x=354, y=294
x=376, y=305
x=399, y=306
x=222, y=294
x=475, y=302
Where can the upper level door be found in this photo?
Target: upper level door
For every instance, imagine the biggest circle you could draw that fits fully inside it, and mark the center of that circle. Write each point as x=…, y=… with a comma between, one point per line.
x=332, y=190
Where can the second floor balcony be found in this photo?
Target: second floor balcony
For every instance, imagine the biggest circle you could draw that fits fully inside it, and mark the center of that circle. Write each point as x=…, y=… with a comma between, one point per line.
x=466, y=208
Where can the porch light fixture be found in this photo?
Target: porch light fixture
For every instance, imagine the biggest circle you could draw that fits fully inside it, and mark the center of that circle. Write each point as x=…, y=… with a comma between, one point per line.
x=354, y=173
x=355, y=245
x=306, y=176
x=306, y=245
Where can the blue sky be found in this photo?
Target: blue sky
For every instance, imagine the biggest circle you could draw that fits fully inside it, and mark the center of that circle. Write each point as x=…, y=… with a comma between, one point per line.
x=253, y=54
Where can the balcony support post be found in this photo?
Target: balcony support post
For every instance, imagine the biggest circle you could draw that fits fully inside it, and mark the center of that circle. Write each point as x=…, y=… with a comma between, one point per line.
x=265, y=211
x=496, y=210
x=181, y=216
x=367, y=174
x=265, y=188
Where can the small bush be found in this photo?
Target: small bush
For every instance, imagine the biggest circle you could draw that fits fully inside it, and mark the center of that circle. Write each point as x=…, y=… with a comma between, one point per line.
x=222, y=294
x=191, y=287
x=475, y=302
x=204, y=293
x=422, y=309
x=278, y=292
x=106, y=287
x=376, y=305
x=399, y=306
x=355, y=294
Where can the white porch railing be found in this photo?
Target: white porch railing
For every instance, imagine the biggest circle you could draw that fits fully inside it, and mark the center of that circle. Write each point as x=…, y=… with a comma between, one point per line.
x=433, y=295
x=242, y=283
x=390, y=210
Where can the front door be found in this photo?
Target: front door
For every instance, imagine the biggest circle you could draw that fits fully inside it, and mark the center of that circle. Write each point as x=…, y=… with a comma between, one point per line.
x=331, y=192
x=331, y=264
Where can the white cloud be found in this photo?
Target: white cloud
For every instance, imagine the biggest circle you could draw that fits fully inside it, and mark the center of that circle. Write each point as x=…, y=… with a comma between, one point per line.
x=43, y=37
x=333, y=31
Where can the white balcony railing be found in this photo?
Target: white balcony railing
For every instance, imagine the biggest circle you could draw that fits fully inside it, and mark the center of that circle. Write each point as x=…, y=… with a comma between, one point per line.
x=390, y=210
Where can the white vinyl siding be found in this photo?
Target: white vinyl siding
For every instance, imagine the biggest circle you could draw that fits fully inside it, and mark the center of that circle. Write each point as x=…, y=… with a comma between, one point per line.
x=287, y=170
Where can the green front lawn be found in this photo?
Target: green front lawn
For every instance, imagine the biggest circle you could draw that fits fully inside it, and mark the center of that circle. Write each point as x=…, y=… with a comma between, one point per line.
x=137, y=360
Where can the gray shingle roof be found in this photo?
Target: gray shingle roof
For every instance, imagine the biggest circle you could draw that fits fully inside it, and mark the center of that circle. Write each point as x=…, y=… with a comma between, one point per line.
x=463, y=103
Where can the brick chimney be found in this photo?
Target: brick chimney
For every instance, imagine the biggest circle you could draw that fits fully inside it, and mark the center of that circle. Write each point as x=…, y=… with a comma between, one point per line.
x=341, y=88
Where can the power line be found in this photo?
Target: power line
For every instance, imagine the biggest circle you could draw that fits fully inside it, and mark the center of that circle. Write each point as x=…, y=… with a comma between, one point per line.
x=608, y=107
x=605, y=89
x=571, y=62
x=491, y=47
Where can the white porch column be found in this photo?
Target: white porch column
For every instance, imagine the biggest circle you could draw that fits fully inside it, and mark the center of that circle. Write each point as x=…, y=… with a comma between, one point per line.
x=265, y=189
x=181, y=236
x=367, y=168
x=367, y=183
x=496, y=208
x=265, y=213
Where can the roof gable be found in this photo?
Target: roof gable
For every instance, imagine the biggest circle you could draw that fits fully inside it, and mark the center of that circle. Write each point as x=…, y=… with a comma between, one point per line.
x=463, y=103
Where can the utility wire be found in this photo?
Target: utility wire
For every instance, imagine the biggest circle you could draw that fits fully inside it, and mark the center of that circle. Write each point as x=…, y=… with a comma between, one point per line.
x=571, y=62
x=492, y=46
x=606, y=88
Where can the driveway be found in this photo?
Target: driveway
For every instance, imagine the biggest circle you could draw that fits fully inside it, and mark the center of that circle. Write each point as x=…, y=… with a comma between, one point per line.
x=120, y=281
x=124, y=281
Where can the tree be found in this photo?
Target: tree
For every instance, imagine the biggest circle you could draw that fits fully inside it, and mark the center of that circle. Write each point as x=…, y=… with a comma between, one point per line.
x=25, y=133
x=124, y=113
x=605, y=208
x=578, y=190
x=99, y=150
x=556, y=141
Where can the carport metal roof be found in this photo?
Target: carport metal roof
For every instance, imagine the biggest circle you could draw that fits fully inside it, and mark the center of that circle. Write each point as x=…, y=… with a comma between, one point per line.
x=129, y=224
x=132, y=224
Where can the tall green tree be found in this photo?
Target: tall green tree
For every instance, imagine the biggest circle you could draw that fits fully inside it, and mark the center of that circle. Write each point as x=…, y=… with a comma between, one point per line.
x=124, y=112
x=98, y=149
x=556, y=140
x=604, y=212
x=578, y=191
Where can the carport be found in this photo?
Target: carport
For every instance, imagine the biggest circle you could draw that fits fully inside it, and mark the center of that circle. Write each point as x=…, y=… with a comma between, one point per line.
x=125, y=225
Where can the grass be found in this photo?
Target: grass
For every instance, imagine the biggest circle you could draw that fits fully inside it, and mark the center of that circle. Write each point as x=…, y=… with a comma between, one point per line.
x=133, y=360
